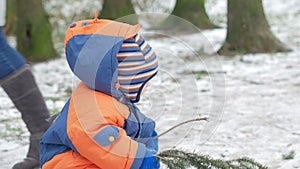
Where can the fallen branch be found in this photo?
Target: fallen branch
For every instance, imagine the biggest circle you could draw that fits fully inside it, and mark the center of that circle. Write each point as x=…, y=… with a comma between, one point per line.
x=182, y=123
x=177, y=159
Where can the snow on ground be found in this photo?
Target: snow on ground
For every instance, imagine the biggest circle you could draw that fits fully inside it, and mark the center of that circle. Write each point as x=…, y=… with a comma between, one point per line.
x=252, y=101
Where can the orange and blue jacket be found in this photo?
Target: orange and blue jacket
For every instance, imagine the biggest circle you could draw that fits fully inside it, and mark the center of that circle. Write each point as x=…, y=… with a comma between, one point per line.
x=98, y=127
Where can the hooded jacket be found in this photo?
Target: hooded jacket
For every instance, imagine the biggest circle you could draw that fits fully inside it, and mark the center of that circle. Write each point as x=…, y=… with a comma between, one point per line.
x=100, y=126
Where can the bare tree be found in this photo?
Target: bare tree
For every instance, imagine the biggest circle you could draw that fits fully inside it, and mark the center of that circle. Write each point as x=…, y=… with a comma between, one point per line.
x=34, y=38
x=248, y=30
x=116, y=9
x=193, y=11
x=187, y=17
x=11, y=18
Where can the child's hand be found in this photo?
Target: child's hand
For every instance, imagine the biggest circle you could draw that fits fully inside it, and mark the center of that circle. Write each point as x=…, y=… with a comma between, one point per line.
x=150, y=161
x=152, y=143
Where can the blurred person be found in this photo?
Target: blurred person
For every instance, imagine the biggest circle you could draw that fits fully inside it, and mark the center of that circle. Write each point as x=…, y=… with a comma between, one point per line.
x=18, y=82
x=100, y=127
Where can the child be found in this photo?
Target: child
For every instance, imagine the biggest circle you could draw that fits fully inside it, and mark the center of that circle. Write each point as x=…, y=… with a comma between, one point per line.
x=100, y=126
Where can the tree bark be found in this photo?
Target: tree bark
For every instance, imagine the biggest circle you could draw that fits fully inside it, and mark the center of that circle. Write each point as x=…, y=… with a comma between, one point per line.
x=119, y=10
x=248, y=30
x=193, y=11
x=34, y=38
x=11, y=18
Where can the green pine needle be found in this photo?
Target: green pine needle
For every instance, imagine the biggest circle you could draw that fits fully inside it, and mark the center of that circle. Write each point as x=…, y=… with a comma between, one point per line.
x=177, y=159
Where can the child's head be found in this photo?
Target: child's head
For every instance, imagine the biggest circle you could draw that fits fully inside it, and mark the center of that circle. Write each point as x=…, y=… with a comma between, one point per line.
x=110, y=57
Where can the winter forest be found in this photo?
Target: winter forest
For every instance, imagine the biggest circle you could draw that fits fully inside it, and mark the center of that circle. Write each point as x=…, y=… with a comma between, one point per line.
x=234, y=62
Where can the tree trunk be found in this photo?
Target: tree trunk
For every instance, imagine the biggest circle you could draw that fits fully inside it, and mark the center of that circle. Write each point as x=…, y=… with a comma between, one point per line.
x=119, y=10
x=11, y=18
x=193, y=11
x=34, y=39
x=248, y=30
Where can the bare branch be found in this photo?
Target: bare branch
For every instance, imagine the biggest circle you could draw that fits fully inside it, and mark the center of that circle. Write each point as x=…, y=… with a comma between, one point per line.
x=182, y=123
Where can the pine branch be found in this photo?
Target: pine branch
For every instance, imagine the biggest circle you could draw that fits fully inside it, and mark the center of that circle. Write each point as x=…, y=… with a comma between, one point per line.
x=177, y=159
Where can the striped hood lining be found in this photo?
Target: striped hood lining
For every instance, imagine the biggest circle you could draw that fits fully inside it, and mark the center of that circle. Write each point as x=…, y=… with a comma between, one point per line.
x=137, y=64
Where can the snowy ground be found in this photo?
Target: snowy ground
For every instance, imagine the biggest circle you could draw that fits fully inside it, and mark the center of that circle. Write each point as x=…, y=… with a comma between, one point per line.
x=252, y=101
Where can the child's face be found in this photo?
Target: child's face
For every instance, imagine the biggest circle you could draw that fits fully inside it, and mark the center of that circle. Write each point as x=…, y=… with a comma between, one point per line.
x=148, y=84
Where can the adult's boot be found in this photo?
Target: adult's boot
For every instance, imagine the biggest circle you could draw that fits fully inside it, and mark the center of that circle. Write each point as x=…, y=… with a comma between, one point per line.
x=22, y=89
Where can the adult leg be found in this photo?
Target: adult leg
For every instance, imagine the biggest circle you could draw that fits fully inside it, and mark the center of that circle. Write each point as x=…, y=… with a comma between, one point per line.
x=18, y=82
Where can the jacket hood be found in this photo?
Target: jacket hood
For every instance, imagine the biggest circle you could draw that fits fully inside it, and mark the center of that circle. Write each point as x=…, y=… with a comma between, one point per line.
x=91, y=48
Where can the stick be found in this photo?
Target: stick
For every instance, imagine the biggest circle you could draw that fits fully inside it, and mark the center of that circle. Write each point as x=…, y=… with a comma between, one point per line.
x=188, y=121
